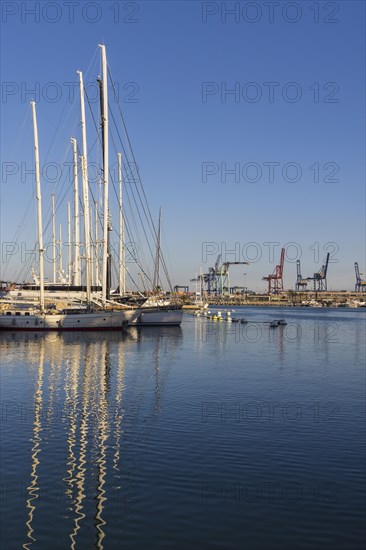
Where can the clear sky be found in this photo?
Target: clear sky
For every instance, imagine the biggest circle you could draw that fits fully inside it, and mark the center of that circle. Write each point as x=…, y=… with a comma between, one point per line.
x=280, y=159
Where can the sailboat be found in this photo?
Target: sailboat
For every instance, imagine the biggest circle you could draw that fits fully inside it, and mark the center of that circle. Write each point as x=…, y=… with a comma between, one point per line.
x=157, y=310
x=94, y=315
x=61, y=302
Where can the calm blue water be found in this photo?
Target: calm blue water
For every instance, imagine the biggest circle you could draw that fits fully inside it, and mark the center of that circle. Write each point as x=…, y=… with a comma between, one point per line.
x=209, y=436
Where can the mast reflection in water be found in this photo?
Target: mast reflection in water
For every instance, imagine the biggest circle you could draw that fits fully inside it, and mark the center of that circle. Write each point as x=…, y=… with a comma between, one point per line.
x=81, y=428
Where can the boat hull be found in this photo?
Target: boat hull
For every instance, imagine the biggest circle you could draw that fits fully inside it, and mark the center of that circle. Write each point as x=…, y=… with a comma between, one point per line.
x=159, y=317
x=107, y=320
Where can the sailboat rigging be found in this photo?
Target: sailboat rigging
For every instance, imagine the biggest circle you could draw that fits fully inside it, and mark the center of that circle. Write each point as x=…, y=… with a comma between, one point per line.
x=82, y=317
x=71, y=303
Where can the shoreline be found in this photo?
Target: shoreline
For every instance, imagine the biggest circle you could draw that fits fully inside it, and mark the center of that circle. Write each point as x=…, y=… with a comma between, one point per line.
x=287, y=299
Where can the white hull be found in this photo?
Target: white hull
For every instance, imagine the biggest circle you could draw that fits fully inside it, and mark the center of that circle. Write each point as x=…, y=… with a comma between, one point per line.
x=162, y=317
x=106, y=320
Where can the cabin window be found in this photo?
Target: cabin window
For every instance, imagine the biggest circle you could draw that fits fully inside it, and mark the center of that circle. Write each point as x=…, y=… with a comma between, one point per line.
x=17, y=313
x=26, y=313
x=8, y=313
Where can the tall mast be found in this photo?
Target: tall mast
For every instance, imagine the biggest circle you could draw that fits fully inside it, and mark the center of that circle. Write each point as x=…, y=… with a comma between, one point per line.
x=157, y=257
x=105, y=175
x=96, y=245
x=84, y=161
x=53, y=238
x=92, y=248
x=61, y=270
x=39, y=207
x=68, y=243
x=76, y=276
x=86, y=228
x=122, y=272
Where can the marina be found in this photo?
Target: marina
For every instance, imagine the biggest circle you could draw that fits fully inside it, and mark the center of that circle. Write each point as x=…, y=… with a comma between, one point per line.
x=65, y=305
x=182, y=275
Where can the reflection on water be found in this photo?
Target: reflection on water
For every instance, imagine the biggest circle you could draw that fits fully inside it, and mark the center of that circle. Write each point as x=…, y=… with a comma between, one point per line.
x=79, y=402
x=33, y=489
x=148, y=438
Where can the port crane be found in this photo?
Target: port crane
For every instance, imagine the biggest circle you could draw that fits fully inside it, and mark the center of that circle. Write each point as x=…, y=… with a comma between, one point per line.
x=360, y=285
x=301, y=283
x=216, y=281
x=275, y=279
x=320, y=278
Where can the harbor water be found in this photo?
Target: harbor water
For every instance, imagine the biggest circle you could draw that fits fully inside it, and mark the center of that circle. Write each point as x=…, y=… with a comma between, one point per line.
x=211, y=435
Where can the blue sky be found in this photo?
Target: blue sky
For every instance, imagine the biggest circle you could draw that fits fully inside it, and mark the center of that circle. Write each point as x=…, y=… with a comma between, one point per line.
x=185, y=138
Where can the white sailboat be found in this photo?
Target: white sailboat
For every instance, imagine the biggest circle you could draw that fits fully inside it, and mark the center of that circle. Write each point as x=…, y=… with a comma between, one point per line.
x=157, y=310
x=64, y=301
x=89, y=316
